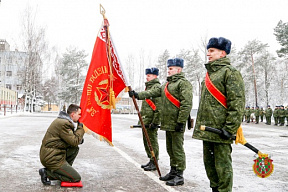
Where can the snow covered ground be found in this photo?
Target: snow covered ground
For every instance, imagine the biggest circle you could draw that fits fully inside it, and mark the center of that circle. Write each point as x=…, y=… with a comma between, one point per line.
x=105, y=168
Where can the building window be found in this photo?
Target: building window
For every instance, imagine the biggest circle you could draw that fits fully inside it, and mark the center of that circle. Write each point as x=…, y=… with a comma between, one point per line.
x=18, y=87
x=8, y=73
x=8, y=86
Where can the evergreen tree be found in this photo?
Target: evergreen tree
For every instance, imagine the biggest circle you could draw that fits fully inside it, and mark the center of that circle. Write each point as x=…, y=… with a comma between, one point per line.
x=281, y=33
x=72, y=71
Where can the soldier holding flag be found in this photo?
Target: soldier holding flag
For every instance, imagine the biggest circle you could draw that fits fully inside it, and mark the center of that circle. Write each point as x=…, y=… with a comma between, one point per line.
x=150, y=113
x=221, y=106
x=176, y=95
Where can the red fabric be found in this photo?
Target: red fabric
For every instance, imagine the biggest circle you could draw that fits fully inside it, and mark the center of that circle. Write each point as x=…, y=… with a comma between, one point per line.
x=151, y=104
x=95, y=104
x=70, y=184
x=171, y=98
x=215, y=92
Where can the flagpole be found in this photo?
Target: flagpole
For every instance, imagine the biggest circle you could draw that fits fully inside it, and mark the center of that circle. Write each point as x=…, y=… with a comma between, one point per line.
x=145, y=132
x=106, y=27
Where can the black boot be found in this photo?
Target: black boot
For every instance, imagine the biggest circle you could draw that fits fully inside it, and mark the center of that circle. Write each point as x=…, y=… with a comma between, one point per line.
x=178, y=180
x=215, y=189
x=142, y=166
x=169, y=175
x=43, y=174
x=150, y=167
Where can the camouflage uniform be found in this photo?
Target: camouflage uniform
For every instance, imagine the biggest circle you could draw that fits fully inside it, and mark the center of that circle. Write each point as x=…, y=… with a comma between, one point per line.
x=268, y=114
x=281, y=113
x=248, y=113
x=257, y=114
x=181, y=89
x=275, y=115
x=217, y=151
x=286, y=114
x=149, y=116
x=261, y=114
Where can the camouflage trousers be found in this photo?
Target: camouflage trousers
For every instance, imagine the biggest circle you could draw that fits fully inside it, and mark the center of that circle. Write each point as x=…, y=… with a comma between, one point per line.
x=66, y=171
x=257, y=119
x=153, y=136
x=218, y=165
x=276, y=119
x=175, y=149
x=268, y=120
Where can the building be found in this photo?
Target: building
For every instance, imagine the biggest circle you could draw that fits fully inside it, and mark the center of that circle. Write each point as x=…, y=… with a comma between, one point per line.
x=21, y=72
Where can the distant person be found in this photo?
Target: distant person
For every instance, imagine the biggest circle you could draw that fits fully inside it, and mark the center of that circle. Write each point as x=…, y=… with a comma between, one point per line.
x=268, y=114
x=60, y=147
x=221, y=106
x=261, y=114
x=281, y=113
x=257, y=114
x=150, y=113
x=276, y=115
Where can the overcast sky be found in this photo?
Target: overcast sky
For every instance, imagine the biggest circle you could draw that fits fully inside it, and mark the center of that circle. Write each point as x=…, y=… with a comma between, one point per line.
x=150, y=25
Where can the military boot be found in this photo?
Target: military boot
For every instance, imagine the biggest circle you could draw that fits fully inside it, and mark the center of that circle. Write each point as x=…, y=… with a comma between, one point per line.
x=178, y=180
x=142, y=166
x=43, y=174
x=215, y=189
x=150, y=167
x=169, y=175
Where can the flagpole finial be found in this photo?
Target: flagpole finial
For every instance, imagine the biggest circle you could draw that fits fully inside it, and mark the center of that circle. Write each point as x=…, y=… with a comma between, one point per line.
x=102, y=11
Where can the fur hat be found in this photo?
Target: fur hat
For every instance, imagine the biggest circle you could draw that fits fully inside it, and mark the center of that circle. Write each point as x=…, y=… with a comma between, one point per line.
x=178, y=62
x=152, y=70
x=220, y=43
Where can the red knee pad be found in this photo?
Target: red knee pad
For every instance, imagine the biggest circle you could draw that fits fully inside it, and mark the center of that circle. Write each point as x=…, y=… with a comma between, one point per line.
x=71, y=184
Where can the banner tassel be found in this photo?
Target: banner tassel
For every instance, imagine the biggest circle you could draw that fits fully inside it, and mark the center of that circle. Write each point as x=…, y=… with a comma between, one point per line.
x=112, y=99
x=240, y=137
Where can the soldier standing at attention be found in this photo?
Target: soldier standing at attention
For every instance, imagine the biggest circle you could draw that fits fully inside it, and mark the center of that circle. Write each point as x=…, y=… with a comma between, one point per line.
x=248, y=113
x=281, y=113
x=286, y=114
x=275, y=115
x=268, y=113
x=225, y=116
x=261, y=114
x=151, y=117
x=257, y=114
x=176, y=104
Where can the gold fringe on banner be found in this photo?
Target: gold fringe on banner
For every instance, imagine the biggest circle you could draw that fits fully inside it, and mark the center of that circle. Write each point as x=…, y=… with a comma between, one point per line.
x=97, y=136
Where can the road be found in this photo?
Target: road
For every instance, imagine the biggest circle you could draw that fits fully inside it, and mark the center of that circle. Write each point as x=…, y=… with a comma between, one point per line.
x=105, y=168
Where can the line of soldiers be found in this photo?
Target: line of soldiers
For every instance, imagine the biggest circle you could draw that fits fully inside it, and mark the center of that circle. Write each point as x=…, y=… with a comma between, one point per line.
x=279, y=115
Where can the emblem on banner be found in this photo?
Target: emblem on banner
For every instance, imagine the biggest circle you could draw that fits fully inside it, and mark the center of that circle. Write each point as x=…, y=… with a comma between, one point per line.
x=102, y=94
x=263, y=166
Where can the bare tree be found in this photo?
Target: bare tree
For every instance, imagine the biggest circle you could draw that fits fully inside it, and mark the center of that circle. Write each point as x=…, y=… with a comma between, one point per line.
x=35, y=45
x=248, y=55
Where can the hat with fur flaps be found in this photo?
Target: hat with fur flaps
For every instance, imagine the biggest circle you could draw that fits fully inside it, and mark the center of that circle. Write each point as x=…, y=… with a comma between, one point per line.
x=175, y=62
x=152, y=70
x=220, y=43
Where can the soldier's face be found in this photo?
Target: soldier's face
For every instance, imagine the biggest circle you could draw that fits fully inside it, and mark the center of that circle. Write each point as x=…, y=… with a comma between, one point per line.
x=214, y=54
x=173, y=70
x=150, y=77
x=75, y=116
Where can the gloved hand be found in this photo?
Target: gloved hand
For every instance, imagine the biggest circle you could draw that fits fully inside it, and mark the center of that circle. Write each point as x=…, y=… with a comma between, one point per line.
x=131, y=93
x=153, y=126
x=79, y=124
x=180, y=127
x=225, y=134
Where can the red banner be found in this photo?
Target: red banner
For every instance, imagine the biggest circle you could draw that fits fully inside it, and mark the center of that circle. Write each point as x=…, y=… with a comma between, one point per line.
x=95, y=102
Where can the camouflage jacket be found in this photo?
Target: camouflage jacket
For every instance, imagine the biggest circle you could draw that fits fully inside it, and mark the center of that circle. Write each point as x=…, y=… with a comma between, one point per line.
x=275, y=113
x=211, y=113
x=281, y=112
x=268, y=112
x=181, y=89
x=286, y=113
x=147, y=113
x=257, y=112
